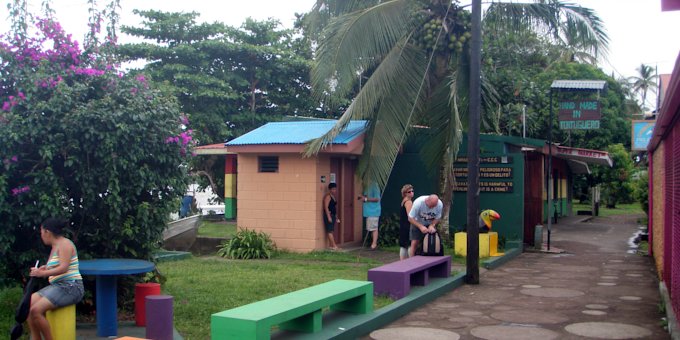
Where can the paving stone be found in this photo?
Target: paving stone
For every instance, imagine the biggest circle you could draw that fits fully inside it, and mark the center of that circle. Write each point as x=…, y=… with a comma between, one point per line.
x=608, y=330
x=593, y=312
x=411, y=333
x=596, y=306
x=513, y=333
x=530, y=317
x=552, y=292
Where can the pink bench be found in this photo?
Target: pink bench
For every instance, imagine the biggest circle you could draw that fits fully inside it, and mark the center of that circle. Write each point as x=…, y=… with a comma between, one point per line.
x=395, y=279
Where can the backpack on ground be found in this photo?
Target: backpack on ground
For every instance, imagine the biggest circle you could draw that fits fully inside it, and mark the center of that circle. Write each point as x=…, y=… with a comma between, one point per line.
x=432, y=245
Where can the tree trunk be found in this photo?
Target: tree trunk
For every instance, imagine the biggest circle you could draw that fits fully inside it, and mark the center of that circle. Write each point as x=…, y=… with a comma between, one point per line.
x=446, y=168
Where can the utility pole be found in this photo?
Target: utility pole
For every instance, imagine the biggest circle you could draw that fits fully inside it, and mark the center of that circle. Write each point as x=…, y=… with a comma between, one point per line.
x=472, y=260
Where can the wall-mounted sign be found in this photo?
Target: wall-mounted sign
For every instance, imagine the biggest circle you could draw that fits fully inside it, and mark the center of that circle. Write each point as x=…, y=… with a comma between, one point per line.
x=579, y=115
x=492, y=186
x=488, y=160
x=485, y=172
x=642, y=134
x=491, y=178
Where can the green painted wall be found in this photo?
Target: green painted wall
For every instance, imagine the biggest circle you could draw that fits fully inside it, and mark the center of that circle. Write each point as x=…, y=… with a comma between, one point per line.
x=410, y=168
x=510, y=205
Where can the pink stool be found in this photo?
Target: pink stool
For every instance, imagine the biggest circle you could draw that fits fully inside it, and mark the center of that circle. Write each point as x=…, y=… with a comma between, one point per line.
x=159, y=317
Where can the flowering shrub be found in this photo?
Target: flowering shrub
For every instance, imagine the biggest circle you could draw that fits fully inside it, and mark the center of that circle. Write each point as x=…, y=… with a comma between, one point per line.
x=82, y=140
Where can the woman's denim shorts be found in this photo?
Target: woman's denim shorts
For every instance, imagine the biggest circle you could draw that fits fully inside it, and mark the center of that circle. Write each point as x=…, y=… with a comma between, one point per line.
x=63, y=293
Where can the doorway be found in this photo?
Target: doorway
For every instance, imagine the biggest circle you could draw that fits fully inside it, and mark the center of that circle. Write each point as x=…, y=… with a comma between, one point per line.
x=342, y=172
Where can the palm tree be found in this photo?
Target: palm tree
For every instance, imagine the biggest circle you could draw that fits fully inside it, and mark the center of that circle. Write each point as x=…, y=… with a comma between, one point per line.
x=644, y=81
x=418, y=55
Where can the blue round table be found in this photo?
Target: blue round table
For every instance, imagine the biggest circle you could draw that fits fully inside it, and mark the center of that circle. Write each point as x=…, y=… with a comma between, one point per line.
x=105, y=272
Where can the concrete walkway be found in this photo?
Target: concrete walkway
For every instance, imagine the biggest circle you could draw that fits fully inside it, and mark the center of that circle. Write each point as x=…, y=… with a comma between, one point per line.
x=598, y=288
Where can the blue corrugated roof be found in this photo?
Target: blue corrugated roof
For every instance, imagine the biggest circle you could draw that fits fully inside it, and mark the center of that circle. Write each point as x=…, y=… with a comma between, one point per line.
x=298, y=132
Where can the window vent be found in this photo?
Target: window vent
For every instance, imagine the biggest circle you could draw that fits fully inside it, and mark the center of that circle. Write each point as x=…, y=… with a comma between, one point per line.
x=268, y=163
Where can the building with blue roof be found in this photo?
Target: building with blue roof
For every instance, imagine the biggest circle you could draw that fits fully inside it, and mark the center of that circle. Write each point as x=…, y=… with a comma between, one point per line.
x=280, y=191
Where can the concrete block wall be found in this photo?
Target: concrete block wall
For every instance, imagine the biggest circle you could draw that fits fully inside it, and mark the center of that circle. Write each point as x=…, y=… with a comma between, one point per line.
x=285, y=204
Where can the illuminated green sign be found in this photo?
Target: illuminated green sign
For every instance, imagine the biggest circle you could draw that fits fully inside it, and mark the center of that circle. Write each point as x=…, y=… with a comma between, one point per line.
x=579, y=115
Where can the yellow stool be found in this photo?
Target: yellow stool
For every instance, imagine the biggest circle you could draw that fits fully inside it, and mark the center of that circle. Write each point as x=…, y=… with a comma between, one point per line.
x=488, y=244
x=63, y=322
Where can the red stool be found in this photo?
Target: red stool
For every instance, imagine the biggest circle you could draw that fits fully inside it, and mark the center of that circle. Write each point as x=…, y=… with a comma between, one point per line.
x=142, y=290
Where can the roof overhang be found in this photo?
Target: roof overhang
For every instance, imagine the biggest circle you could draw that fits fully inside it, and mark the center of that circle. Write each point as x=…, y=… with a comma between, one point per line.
x=578, y=167
x=579, y=85
x=212, y=149
x=582, y=157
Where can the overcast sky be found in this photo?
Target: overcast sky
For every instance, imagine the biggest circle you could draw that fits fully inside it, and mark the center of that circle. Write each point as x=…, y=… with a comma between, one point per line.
x=639, y=31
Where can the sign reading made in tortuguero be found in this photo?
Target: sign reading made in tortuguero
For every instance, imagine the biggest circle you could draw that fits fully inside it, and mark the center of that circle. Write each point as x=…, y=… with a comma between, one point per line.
x=491, y=178
x=579, y=115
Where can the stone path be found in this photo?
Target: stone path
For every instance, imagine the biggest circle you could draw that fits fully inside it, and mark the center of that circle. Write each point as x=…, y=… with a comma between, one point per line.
x=596, y=289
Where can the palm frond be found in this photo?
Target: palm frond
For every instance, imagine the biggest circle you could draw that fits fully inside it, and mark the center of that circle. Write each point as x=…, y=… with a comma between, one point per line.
x=388, y=99
x=585, y=29
x=564, y=22
x=356, y=42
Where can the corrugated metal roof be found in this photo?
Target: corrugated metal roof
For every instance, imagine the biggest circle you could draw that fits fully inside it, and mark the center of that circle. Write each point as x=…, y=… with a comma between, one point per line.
x=579, y=84
x=298, y=132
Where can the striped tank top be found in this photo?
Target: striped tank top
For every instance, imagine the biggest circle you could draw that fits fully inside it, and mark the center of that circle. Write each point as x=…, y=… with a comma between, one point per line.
x=71, y=274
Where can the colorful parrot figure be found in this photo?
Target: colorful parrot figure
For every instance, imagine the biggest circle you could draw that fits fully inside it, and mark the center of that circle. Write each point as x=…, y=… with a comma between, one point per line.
x=486, y=218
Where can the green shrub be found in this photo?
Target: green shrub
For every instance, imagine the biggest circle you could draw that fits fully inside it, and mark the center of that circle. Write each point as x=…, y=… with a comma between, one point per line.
x=641, y=191
x=248, y=244
x=389, y=231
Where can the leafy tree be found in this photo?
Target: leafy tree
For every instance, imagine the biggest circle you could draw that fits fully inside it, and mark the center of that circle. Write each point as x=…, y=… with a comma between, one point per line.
x=644, y=81
x=614, y=124
x=83, y=141
x=419, y=53
x=641, y=190
x=228, y=80
x=617, y=185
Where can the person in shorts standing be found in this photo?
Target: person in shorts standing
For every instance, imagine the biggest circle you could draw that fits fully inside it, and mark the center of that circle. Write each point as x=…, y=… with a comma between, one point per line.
x=424, y=216
x=66, y=284
x=371, y=211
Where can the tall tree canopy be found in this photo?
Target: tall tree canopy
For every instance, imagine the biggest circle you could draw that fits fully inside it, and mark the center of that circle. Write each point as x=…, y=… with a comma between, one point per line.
x=418, y=53
x=228, y=80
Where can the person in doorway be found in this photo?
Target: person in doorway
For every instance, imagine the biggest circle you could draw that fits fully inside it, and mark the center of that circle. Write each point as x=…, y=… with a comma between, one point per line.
x=404, y=224
x=424, y=217
x=371, y=211
x=66, y=284
x=330, y=214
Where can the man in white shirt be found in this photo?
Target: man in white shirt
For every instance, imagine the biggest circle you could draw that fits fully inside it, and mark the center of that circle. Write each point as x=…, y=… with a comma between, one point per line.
x=424, y=217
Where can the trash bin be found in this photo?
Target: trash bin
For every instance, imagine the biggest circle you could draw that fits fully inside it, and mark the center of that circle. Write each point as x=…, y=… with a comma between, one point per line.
x=538, y=237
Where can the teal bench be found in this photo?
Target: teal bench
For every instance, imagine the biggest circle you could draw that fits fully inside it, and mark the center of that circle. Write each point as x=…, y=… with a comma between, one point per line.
x=300, y=310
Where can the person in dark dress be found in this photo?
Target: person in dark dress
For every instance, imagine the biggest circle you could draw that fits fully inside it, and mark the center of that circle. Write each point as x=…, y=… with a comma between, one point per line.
x=330, y=214
x=404, y=224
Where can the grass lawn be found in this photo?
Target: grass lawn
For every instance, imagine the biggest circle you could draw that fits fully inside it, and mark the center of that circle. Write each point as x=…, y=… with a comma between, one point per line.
x=9, y=299
x=206, y=285
x=217, y=229
x=621, y=209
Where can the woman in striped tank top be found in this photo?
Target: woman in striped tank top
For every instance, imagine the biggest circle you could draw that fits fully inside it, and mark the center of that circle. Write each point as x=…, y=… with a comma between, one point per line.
x=66, y=284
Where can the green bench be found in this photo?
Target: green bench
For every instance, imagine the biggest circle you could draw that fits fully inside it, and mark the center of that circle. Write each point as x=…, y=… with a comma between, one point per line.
x=300, y=310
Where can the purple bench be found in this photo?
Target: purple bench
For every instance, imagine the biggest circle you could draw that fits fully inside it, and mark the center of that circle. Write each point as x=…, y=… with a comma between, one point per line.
x=395, y=279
